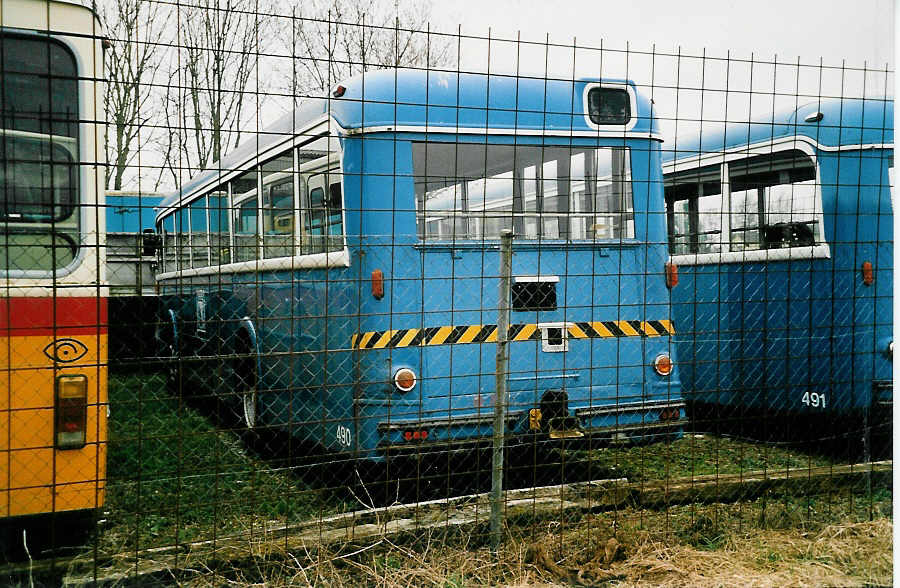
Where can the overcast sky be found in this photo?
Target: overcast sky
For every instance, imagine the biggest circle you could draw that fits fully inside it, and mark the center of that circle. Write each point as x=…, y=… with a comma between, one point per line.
x=781, y=53
x=860, y=30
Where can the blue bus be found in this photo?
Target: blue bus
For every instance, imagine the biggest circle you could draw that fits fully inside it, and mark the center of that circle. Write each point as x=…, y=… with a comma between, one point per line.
x=335, y=277
x=782, y=234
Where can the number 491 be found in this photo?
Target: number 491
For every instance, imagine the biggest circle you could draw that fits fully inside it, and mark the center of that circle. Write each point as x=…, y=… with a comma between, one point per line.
x=813, y=399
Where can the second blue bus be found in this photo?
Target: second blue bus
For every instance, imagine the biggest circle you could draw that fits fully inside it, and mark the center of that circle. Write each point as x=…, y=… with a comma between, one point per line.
x=782, y=233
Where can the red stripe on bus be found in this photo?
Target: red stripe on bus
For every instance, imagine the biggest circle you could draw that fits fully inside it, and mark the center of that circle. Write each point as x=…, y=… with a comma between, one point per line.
x=53, y=316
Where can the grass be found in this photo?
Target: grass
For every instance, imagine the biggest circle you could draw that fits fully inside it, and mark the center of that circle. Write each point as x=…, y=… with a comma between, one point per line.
x=174, y=476
x=693, y=455
x=835, y=543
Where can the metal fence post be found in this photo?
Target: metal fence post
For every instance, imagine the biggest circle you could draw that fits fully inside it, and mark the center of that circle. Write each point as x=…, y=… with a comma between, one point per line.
x=500, y=397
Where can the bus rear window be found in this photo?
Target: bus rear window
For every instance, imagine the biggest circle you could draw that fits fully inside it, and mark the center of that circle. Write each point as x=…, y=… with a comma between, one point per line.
x=38, y=153
x=472, y=191
x=39, y=179
x=609, y=106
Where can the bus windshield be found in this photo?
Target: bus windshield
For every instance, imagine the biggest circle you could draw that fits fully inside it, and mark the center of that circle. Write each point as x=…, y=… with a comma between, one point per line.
x=472, y=191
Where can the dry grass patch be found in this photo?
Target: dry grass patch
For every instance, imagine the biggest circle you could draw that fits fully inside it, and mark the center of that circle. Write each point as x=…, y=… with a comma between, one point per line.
x=855, y=554
x=758, y=543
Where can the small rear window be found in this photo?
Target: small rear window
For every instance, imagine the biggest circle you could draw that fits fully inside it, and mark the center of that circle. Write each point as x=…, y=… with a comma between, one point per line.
x=534, y=295
x=609, y=106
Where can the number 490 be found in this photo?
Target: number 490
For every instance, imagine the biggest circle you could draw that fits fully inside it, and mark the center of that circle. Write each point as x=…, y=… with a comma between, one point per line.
x=813, y=399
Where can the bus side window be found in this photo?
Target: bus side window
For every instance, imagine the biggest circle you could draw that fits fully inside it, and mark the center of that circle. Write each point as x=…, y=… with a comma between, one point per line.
x=220, y=248
x=278, y=219
x=278, y=206
x=335, y=217
x=245, y=219
x=323, y=219
x=199, y=236
x=168, y=233
x=773, y=201
x=182, y=236
x=694, y=210
x=315, y=218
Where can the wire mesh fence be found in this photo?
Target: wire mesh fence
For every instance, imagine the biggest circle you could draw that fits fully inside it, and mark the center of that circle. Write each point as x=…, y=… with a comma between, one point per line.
x=259, y=328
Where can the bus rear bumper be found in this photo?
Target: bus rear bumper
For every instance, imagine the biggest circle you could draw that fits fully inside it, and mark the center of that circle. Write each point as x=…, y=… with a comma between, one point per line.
x=588, y=436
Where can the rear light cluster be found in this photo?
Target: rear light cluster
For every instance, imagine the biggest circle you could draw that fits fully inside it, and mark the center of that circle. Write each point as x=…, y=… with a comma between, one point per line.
x=71, y=411
x=377, y=284
x=868, y=273
x=663, y=364
x=415, y=435
x=671, y=275
x=404, y=379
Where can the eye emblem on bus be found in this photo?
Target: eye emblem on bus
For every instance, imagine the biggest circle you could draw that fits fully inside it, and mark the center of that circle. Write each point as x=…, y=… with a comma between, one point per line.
x=65, y=350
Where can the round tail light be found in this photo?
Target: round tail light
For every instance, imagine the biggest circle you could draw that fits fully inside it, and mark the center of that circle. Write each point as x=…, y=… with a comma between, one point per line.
x=405, y=379
x=663, y=364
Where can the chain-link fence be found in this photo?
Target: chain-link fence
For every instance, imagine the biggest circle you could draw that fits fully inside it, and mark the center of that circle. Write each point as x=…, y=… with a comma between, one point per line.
x=309, y=298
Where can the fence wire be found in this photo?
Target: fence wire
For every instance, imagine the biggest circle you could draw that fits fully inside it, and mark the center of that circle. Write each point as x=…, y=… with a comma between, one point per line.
x=252, y=289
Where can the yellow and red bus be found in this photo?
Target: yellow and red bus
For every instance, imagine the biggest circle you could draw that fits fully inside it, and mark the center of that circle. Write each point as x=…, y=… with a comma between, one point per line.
x=53, y=292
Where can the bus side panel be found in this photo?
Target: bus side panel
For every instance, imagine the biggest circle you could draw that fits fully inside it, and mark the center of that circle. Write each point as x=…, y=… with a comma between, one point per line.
x=379, y=185
x=303, y=330
x=703, y=333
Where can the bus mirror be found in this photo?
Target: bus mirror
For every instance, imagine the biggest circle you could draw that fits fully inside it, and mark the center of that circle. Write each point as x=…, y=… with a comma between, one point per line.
x=150, y=242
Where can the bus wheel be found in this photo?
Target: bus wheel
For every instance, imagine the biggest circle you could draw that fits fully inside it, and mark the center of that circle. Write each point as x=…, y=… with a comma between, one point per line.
x=249, y=401
x=245, y=369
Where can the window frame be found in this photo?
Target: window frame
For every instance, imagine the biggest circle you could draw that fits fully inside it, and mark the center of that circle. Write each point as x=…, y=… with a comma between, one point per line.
x=80, y=223
x=537, y=188
x=632, y=98
x=684, y=168
x=330, y=161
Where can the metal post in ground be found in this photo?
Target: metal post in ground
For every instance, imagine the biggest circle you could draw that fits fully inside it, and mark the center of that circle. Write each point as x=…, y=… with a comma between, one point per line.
x=500, y=396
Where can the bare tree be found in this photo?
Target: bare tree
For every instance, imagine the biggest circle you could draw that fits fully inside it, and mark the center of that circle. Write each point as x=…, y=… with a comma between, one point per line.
x=335, y=39
x=211, y=71
x=216, y=86
x=132, y=61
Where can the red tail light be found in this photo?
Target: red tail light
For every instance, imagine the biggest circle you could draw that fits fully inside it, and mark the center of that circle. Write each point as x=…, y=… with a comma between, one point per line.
x=671, y=275
x=378, y=284
x=71, y=411
x=868, y=274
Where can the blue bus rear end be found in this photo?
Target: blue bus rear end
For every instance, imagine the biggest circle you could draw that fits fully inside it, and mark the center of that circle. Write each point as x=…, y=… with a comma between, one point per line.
x=372, y=333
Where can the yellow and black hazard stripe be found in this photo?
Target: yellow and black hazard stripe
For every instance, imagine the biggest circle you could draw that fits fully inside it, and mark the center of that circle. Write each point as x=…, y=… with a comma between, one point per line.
x=450, y=335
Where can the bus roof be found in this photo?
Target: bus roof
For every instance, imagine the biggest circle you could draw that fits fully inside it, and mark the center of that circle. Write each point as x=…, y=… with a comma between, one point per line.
x=437, y=101
x=447, y=100
x=829, y=123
